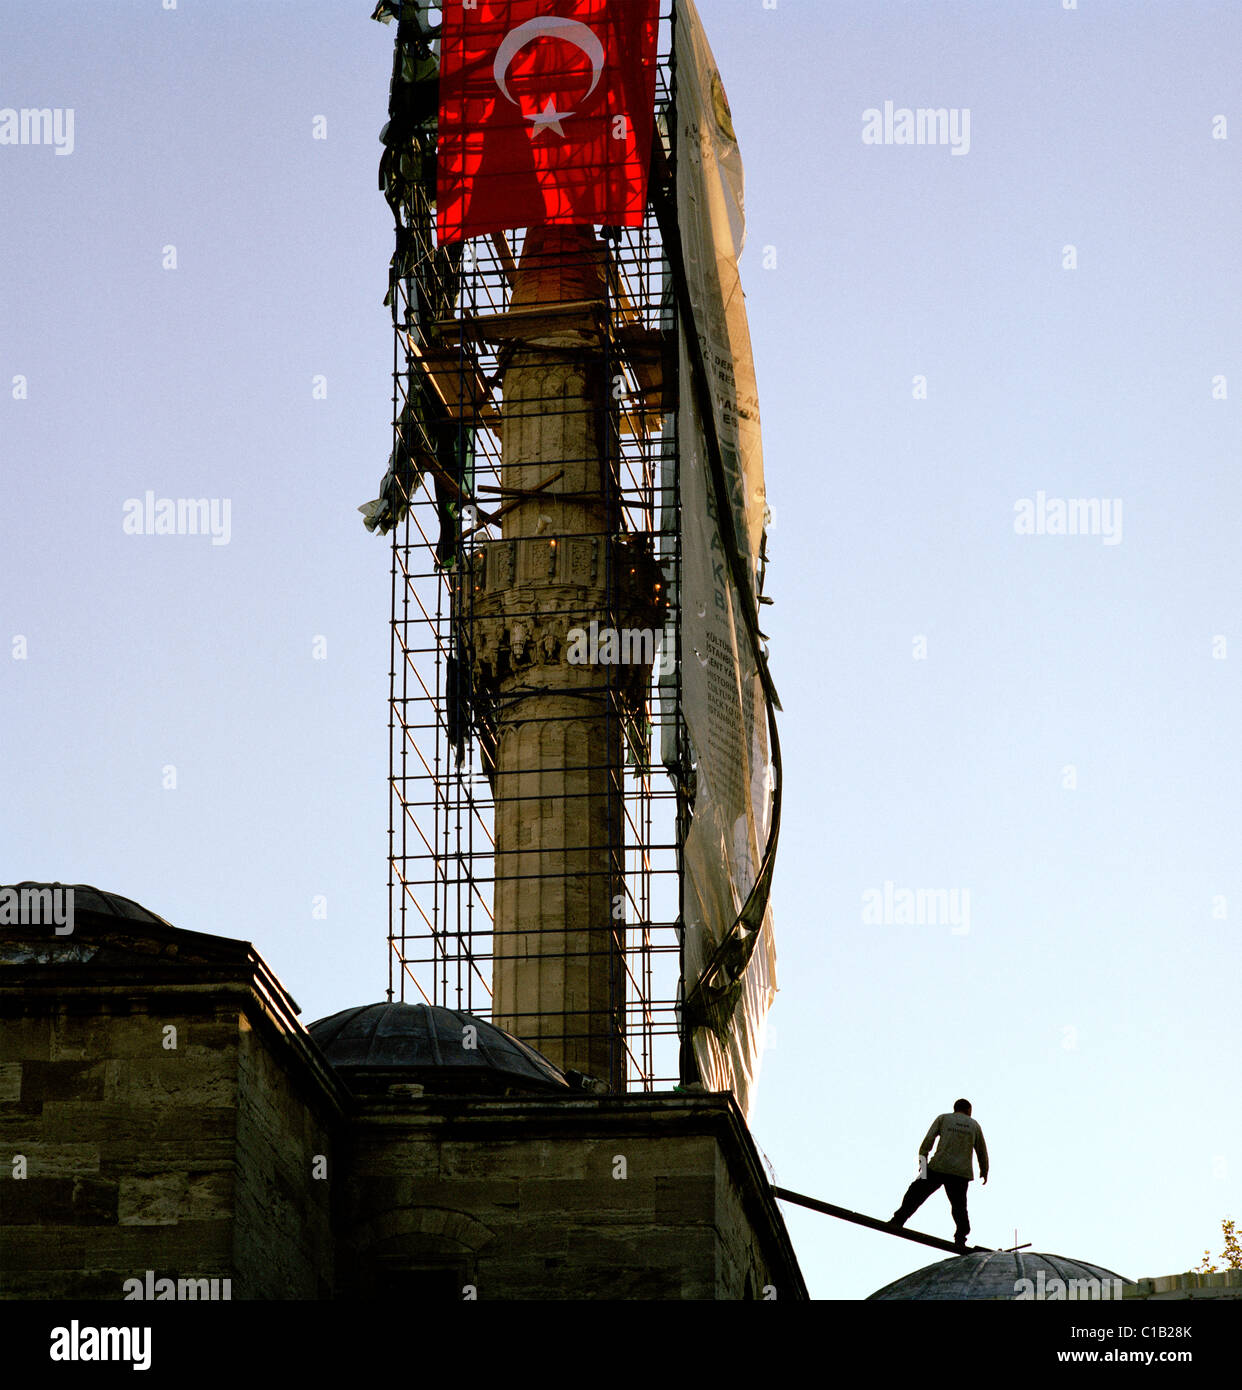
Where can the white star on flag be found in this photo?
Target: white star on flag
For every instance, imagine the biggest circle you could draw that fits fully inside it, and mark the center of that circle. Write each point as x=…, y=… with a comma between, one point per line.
x=549, y=119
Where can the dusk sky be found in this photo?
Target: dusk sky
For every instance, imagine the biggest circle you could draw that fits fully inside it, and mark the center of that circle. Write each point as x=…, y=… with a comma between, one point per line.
x=1042, y=317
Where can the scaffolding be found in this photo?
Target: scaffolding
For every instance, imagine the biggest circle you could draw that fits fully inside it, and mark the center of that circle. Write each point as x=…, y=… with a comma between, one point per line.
x=464, y=510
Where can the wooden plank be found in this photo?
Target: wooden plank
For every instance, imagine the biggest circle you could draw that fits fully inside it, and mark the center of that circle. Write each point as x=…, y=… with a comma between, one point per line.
x=525, y=495
x=501, y=244
x=577, y=323
x=872, y=1224
x=644, y=350
x=455, y=378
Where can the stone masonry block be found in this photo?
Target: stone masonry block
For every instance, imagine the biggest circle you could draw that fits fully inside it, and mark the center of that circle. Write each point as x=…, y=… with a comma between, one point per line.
x=57, y=1201
x=25, y=1039
x=46, y=1081
x=62, y=1160
x=122, y=1127
x=171, y=1080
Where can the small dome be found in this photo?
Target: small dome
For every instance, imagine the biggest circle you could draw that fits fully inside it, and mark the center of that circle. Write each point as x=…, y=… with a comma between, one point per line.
x=995, y=1275
x=88, y=899
x=444, y=1050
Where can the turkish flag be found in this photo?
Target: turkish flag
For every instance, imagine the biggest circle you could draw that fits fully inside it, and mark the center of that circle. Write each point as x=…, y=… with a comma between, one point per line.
x=546, y=113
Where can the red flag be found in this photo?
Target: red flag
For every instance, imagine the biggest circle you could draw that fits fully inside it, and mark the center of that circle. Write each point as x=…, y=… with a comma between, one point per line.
x=546, y=113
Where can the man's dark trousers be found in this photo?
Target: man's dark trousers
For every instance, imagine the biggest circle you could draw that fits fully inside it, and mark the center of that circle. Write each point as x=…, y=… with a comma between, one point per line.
x=922, y=1188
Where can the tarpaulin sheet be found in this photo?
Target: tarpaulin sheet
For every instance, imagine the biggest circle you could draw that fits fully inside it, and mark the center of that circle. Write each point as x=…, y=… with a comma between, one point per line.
x=730, y=959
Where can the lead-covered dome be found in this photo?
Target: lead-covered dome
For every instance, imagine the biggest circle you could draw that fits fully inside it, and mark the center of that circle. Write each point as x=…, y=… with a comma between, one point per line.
x=1015, y=1275
x=83, y=898
x=376, y=1046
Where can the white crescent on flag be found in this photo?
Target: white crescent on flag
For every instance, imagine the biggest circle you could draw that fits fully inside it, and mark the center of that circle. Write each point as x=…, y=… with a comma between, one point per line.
x=555, y=27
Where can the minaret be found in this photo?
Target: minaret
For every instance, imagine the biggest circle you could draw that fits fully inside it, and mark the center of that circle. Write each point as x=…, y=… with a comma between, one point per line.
x=561, y=563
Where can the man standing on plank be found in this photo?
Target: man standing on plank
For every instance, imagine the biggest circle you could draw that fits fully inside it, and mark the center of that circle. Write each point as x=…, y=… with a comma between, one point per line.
x=951, y=1167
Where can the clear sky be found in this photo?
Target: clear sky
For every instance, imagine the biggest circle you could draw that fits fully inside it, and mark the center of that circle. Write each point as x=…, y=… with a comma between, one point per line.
x=1046, y=723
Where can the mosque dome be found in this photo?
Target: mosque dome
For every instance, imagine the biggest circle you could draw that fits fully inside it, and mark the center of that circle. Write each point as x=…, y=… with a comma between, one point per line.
x=375, y=1046
x=1000, y=1274
x=95, y=901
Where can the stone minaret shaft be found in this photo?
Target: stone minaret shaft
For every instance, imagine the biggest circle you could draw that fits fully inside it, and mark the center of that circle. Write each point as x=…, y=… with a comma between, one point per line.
x=558, y=974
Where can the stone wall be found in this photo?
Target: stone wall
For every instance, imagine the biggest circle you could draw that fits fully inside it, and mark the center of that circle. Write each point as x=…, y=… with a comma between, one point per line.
x=618, y=1197
x=128, y=1148
x=283, y=1246
x=1226, y=1283
x=160, y=1109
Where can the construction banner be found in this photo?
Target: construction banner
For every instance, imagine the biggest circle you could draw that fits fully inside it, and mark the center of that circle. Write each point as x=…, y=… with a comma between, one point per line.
x=730, y=961
x=546, y=113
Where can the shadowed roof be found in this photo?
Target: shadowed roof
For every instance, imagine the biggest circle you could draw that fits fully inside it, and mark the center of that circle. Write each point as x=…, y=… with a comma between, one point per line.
x=431, y=1045
x=89, y=899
